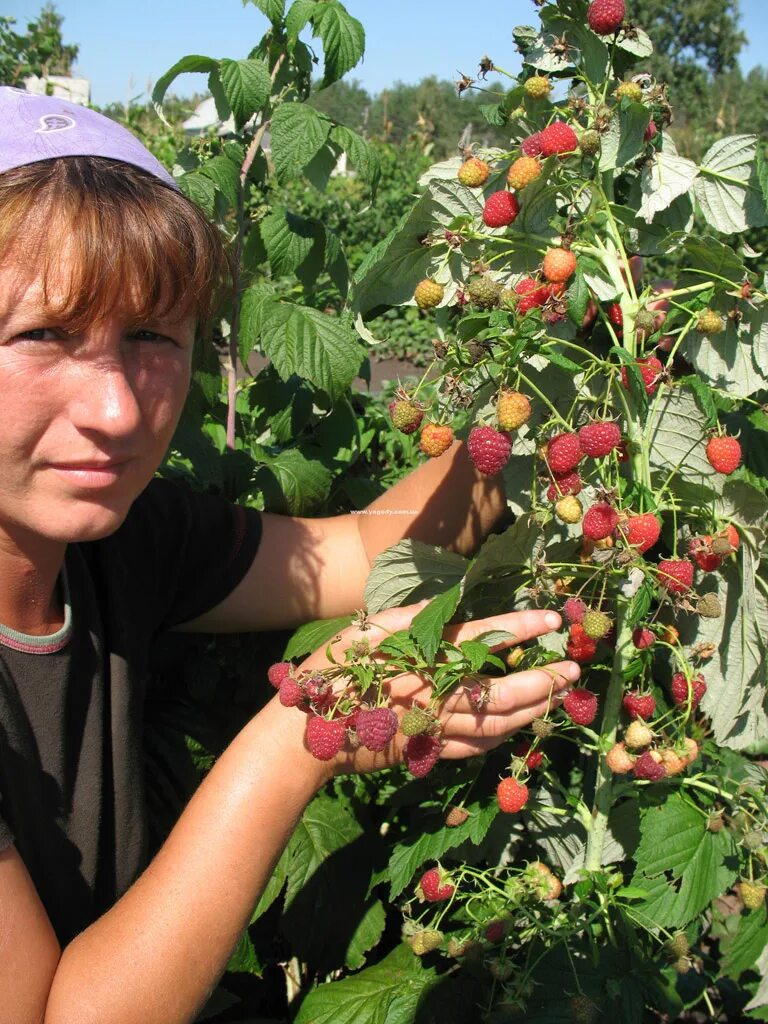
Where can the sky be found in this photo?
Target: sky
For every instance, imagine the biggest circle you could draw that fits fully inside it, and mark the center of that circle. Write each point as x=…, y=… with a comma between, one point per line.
x=124, y=46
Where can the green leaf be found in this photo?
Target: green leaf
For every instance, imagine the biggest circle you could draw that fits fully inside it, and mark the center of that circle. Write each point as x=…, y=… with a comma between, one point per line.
x=578, y=298
x=297, y=17
x=703, y=397
x=245, y=959
x=200, y=189
x=387, y=993
x=737, y=359
x=289, y=239
x=303, y=483
x=362, y=155
x=247, y=85
x=638, y=42
x=727, y=189
x=225, y=174
x=710, y=257
x=476, y=654
x=366, y=935
x=343, y=39
x=427, y=844
x=427, y=626
x=676, y=432
x=298, y=134
x=624, y=140
x=666, y=177
x=494, y=113
x=411, y=571
x=313, y=635
x=317, y=346
x=273, y=9
x=683, y=865
x=750, y=940
x=191, y=63
x=325, y=827
x=516, y=548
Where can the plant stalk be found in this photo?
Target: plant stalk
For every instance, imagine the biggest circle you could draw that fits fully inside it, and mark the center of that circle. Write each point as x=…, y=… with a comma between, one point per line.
x=603, y=788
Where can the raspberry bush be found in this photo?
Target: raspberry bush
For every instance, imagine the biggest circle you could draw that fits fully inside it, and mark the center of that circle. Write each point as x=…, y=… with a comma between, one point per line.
x=577, y=872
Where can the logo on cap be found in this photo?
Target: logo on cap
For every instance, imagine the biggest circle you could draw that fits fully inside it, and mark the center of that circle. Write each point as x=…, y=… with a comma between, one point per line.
x=55, y=123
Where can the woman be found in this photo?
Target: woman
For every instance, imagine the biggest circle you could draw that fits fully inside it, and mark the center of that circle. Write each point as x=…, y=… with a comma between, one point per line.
x=107, y=277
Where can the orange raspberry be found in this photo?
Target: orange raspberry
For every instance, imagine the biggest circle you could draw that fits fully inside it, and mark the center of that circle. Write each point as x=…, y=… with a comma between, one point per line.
x=559, y=265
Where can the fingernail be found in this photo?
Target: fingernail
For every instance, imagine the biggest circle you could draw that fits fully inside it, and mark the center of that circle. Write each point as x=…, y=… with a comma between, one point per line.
x=573, y=672
x=552, y=619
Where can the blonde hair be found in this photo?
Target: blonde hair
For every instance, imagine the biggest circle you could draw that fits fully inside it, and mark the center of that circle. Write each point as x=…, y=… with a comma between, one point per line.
x=140, y=248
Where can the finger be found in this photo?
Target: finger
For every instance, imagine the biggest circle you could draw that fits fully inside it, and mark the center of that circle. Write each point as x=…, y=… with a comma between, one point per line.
x=469, y=735
x=520, y=689
x=521, y=625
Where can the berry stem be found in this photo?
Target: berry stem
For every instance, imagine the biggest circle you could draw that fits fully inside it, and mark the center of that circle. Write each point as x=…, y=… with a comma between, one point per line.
x=603, y=789
x=543, y=397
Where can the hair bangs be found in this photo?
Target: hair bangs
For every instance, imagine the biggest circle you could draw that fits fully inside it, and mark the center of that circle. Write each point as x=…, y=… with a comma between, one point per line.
x=131, y=245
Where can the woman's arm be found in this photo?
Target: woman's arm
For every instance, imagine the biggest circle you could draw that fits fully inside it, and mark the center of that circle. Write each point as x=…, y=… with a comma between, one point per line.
x=309, y=569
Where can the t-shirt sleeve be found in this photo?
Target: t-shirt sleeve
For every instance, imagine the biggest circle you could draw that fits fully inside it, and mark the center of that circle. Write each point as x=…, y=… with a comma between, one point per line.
x=196, y=549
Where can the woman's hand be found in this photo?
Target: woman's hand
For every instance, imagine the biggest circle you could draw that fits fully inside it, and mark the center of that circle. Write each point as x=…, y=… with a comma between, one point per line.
x=513, y=700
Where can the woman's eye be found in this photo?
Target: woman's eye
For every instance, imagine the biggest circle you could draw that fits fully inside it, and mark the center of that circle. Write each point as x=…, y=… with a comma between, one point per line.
x=147, y=335
x=39, y=334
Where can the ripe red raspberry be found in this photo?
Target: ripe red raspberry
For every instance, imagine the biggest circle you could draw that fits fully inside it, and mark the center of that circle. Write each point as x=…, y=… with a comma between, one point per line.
x=647, y=767
x=500, y=209
x=598, y=439
x=650, y=369
x=724, y=454
x=581, y=706
x=532, y=145
x=526, y=286
x=641, y=531
x=616, y=317
x=278, y=672
x=700, y=550
x=325, y=737
x=434, y=888
x=559, y=265
x=642, y=638
x=513, y=409
x=606, y=16
x=291, y=693
x=680, y=690
x=639, y=705
x=495, y=932
x=523, y=171
x=564, y=453
x=512, y=795
x=436, y=438
x=650, y=131
x=406, y=415
x=573, y=610
x=564, y=484
x=559, y=138
x=533, y=759
x=375, y=727
x=488, y=449
x=599, y=521
x=676, y=575
x=582, y=653
x=421, y=754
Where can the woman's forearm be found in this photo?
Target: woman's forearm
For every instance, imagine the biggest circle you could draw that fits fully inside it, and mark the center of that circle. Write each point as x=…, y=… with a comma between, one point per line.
x=156, y=955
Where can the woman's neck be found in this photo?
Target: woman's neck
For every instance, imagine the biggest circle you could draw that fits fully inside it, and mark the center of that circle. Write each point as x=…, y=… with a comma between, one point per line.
x=30, y=601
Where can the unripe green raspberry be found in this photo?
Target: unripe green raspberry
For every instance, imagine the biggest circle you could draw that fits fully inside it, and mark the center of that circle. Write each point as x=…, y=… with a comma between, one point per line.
x=752, y=894
x=630, y=90
x=682, y=966
x=645, y=321
x=753, y=840
x=416, y=721
x=537, y=87
x=710, y=322
x=426, y=941
x=569, y=509
x=542, y=728
x=428, y=294
x=589, y=142
x=484, y=292
x=677, y=946
x=709, y=607
x=582, y=1009
x=596, y=624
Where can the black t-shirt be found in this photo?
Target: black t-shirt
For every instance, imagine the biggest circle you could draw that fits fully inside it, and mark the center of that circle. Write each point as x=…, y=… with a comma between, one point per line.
x=72, y=794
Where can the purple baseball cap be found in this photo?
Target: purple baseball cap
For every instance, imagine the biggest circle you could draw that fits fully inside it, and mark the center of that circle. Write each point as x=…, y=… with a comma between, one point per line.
x=36, y=128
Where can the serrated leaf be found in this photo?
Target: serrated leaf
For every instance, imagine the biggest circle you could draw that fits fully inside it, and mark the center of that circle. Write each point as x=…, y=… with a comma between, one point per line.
x=325, y=827
x=703, y=397
x=311, y=636
x=191, y=63
x=366, y=935
x=245, y=959
x=708, y=256
x=411, y=571
x=386, y=993
x=476, y=654
x=343, y=39
x=200, y=189
x=736, y=359
x=427, y=626
x=303, y=483
x=695, y=864
x=289, y=239
x=247, y=85
x=666, y=177
x=624, y=140
x=494, y=113
x=298, y=134
x=361, y=154
x=273, y=9
x=427, y=844
x=676, y=432
x=317, y=346
x=578, y=298
x=636, y=42
x=225, y=174
x=727, y=189
x=515, y=548
x=297, y=17
x=750, y=940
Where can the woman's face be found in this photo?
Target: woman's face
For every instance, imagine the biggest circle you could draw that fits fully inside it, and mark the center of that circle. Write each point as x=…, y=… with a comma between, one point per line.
x=86, y=418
